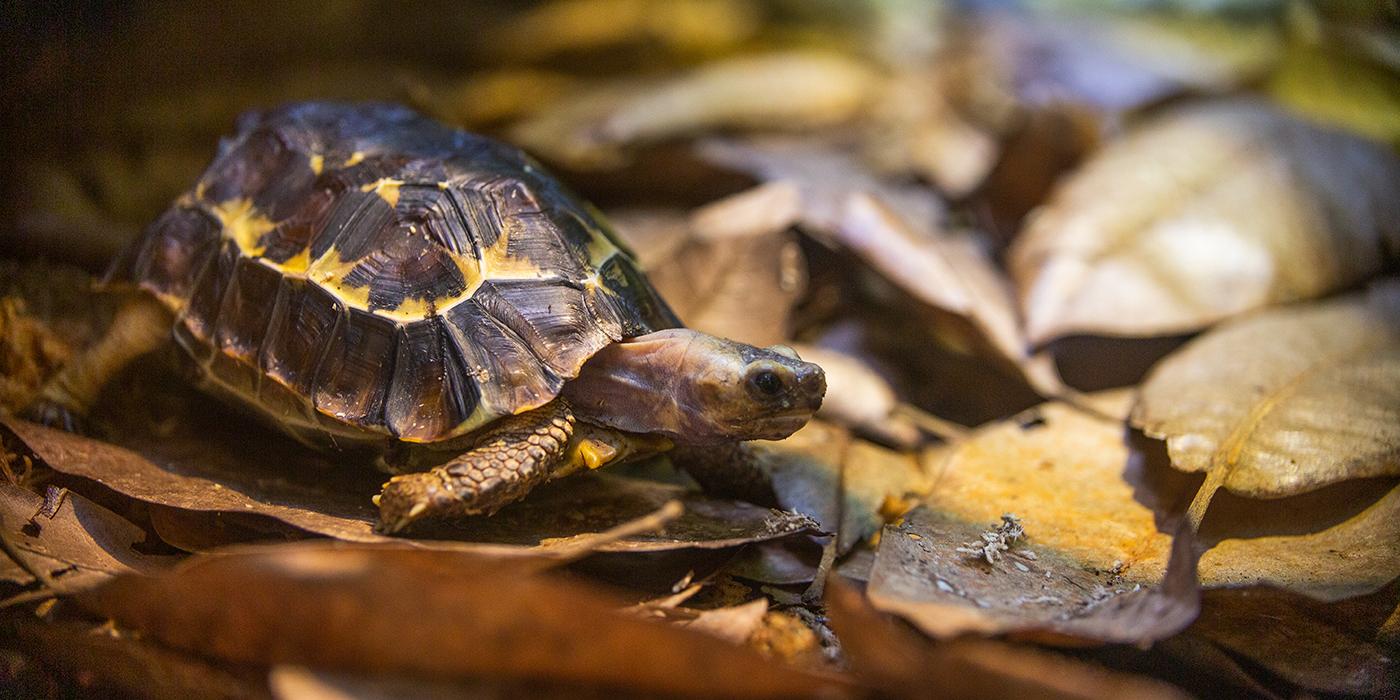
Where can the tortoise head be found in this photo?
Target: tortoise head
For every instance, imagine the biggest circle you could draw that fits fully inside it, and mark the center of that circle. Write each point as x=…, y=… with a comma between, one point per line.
x=698, y=389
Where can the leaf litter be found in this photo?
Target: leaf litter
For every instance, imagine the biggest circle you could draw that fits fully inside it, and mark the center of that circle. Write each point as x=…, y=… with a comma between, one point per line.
x=914, y=141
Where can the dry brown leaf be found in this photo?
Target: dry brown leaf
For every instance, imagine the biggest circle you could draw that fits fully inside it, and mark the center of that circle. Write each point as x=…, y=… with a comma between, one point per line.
x=734, y=270
x=592, y=25
x=289, y=682
x=896, y=230
x=1285, y=401
x=949, y=273
x=929, y=572
x=905, y=665
x=215, y=472
x=435, y=613
x=1325, y=647
x=805, y=470
x=1208, y=211
x=826, y=173
x=82, y=546
x=779, y=91
x=97, y=662
x=733, y=624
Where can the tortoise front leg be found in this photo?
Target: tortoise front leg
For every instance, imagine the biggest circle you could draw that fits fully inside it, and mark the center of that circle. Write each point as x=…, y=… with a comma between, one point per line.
x=140, y=326
x=512, y=457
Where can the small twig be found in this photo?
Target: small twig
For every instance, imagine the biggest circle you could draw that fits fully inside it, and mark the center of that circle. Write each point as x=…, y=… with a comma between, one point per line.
x=815, y=592
x=28, y=597
x=929, y=423
x=584, y=545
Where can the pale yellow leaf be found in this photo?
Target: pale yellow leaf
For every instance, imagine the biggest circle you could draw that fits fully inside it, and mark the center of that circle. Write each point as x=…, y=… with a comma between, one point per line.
x=1207, y=212
x=1286, y=401
x=1082, y=487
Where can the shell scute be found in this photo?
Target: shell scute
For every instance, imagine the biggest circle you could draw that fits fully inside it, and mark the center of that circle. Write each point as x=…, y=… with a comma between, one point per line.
x=353, y=378
x=431, y=393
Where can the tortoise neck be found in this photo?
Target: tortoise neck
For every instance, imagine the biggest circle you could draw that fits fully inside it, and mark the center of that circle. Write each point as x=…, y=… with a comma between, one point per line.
x=641, y=385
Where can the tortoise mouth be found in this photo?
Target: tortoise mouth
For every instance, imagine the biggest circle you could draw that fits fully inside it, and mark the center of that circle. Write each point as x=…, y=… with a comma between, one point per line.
x=774, y=427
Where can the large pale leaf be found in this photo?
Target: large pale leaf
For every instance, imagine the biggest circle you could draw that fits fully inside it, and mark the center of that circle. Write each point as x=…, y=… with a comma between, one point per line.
x=1285, y=401
x=1206, y=212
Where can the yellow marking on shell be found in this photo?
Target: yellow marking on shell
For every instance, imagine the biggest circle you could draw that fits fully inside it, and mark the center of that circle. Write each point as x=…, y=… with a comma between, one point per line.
x=199, y=188
x=243, y=224
x=386, y=188
x=296, y=264
x=318, y=162
x=355, y=159
x=498, y=263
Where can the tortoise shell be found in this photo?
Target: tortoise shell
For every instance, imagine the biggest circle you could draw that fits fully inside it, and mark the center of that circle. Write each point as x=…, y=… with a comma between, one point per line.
x=360, y=272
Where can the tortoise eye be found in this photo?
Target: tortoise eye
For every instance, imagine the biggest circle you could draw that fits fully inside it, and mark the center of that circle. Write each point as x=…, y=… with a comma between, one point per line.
x=766, y=382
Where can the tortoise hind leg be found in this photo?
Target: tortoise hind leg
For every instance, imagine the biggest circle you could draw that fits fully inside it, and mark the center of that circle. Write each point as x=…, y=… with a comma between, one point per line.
x=512, y=457
x=140, y=326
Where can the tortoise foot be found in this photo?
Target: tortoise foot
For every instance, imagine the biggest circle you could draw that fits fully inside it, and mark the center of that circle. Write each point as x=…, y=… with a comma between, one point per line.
x=519, y=453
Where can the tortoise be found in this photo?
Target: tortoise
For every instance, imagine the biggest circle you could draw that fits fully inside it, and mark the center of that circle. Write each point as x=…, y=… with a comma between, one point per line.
x=369, y=280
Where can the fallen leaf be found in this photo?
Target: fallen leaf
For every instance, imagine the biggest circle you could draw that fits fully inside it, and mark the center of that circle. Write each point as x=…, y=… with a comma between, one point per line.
x=826, y=172
x=570, y=26
x=787, y=562
x=732, y=624
x=926, y=574
x=96, y=662
x=896, y=230
x=805, y=470
x=777, y=91
x=1284, y=401
x=949, y=273
x=290, y=682
x=1111, y=62
x=1324, y=647
x=435, y=613
x=82, y=546
x=1334, y=84
x=1086, y=487
x=904, y=665
x=1351, y=554
x=1207, y=211
x=733, y=270
x=217, y=473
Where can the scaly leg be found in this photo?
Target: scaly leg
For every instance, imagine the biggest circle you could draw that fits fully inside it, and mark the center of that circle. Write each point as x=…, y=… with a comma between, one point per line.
x=140, y=326
x=513, y=456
